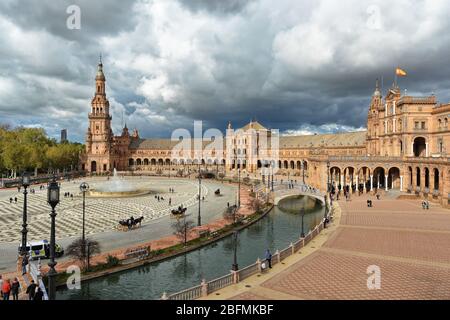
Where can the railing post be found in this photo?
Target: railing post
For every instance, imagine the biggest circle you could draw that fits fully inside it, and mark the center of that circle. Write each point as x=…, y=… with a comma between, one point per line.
x=258, y=263
x=204, y=285
x=292, y=248
x=164, y=296
x=235, y=276
x=277, y=253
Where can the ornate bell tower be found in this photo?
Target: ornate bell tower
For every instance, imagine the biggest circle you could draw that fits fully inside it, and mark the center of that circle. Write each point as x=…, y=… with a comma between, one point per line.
x=99, y=137
x=373, y=129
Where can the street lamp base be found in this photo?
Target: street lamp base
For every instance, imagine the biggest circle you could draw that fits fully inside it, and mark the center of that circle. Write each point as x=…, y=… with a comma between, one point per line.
x=234, y=267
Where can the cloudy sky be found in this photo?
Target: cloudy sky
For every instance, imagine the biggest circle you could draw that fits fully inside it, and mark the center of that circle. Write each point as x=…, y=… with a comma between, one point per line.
x=297, y=65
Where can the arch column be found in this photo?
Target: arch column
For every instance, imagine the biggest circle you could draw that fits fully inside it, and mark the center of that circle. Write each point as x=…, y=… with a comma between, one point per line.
x=386, y=182
x=371, y=182
x=422, y=180
x=401, y=183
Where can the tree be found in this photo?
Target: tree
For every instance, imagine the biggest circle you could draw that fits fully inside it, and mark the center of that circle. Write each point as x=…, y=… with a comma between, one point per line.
x=30, y=149
x=83, y=250
x=256, y=205
x=182, y=228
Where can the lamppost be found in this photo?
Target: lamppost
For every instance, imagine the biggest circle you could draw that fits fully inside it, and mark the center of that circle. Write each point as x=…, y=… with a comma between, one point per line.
x=53, y=200
x=199, y=222
x=235, y=267
x=84, y=187
x=239, y=186
x=271, y=166
x=303, y=171
x=25, y=184
x=302, y=212
x=328, y=177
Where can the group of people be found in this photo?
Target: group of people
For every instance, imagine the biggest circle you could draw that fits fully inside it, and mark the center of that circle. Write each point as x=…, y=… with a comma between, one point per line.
x=10, y=288
x=11, y=200
x=425, y=205
x=160, y=198
x=68, y=195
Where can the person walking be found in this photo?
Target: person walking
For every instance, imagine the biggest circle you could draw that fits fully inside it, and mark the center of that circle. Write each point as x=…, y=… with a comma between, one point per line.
x=1, y=286
x=24, y=264
x=269, y=258
x=15, y=287
x=31, y=290
x=39, y=295
x=6, y=289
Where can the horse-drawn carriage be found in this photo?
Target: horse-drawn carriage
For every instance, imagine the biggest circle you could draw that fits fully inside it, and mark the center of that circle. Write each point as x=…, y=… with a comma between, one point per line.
x=130, y=223
x=217, y=192
x=178, y=213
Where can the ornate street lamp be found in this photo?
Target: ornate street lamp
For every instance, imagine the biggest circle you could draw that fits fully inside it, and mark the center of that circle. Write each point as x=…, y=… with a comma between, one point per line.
x=303, y=171
x=235, y=267
x=272, y=176
x=26, y=180
x=302, y=212
x=84, y=187
x=239, y=186
x=328, y=177
x=53, y=200
x=199, y=222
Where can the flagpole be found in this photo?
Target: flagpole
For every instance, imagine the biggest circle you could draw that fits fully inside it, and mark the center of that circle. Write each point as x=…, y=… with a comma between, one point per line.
x=396, y=78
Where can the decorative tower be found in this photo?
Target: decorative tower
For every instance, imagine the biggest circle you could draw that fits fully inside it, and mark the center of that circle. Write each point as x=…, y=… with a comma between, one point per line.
x=99, y=137
x=376, y=104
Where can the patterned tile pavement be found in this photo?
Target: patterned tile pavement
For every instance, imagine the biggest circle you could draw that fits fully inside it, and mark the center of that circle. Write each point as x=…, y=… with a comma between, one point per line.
x=102, y=214
x=409, y=245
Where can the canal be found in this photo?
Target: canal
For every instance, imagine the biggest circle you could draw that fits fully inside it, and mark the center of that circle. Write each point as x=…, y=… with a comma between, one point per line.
x=275, y=231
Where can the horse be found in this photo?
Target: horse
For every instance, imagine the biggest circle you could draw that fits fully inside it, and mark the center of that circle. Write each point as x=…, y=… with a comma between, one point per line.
x=138, y=221
x=131, y=222
x=179, y=211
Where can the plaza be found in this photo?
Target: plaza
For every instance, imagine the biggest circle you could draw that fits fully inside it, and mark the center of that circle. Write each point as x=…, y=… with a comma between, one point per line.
x=103, y=214
x=408, y=244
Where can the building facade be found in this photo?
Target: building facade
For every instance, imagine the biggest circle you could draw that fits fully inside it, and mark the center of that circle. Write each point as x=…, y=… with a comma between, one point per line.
x=406, y=147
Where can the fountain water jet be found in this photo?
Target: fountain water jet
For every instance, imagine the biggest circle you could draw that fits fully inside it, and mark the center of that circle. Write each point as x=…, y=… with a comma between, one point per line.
x=116, y=187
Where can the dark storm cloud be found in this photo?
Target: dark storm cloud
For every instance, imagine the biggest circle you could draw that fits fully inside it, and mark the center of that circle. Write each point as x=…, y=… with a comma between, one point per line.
x=216, y=6
x=99, y=17
x=299, y=66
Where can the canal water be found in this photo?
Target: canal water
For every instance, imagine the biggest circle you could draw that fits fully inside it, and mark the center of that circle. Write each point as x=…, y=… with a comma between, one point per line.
x=275, y=231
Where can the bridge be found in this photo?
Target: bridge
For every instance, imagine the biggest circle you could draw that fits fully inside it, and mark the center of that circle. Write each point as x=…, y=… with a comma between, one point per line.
x=284, y=190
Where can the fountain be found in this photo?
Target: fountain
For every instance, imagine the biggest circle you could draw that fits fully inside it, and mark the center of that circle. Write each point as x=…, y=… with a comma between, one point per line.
x=116, y=188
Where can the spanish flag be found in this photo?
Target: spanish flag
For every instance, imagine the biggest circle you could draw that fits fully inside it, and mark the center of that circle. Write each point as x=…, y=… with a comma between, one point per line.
x=400, y=72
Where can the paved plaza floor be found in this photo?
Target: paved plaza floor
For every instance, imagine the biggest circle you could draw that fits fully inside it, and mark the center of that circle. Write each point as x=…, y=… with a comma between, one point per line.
x=411, y=246
x=103, y=214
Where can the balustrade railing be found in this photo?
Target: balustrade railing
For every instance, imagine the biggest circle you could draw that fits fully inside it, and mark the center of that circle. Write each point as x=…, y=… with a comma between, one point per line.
x=188, y=294
x=220, y=283
x=208, y=287
x=248, y=271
